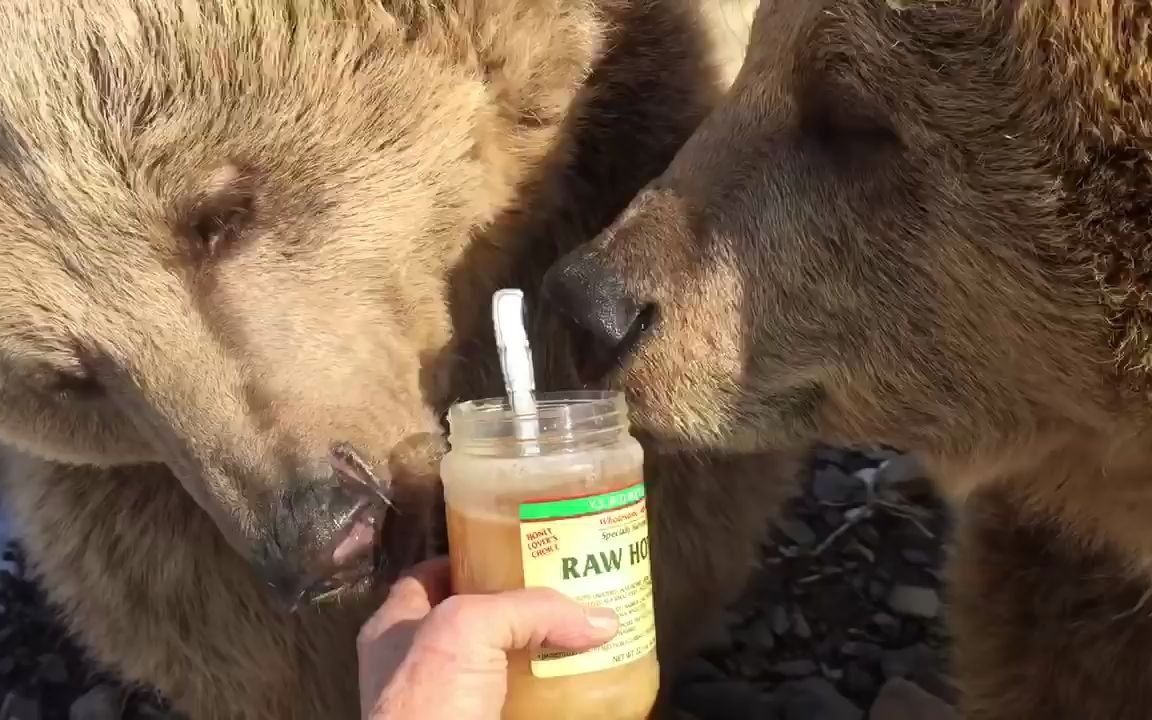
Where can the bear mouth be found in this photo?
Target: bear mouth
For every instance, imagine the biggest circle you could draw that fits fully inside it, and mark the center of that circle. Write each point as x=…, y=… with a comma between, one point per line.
x=373, y=543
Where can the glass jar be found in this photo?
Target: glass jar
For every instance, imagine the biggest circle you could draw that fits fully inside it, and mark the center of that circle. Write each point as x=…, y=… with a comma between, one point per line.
x=563, y=507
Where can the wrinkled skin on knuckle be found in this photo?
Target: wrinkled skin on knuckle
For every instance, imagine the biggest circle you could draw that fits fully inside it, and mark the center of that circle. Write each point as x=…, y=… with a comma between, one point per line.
x=867, y=245
x=450, y=630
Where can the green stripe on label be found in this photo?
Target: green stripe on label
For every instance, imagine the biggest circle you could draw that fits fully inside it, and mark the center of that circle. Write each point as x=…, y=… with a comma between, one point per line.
x=575, y=507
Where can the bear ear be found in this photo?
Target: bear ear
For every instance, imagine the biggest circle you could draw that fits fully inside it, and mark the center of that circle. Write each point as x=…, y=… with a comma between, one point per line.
x=212, y=220
x=535, y=55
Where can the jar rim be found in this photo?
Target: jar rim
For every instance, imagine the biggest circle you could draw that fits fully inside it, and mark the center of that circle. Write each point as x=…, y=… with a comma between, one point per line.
x=565, y=418
x=545, y=401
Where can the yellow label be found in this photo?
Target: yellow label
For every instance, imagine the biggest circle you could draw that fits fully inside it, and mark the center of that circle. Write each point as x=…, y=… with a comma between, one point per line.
x=595, y=550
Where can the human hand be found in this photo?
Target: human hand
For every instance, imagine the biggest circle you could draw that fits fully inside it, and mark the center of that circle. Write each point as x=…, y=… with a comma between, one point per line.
x=426, y=655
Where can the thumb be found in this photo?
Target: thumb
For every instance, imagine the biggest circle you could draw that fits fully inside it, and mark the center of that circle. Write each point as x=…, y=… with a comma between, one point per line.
x=527, y=618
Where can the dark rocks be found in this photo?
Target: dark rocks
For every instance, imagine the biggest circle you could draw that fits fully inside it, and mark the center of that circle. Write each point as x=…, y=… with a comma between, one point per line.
x=857, y=681
x=908, y=661
x=781, y=622
x=867, y=476
x=718, y=637
x=800, y=627
x=796, y=530
x=840, y=457
x=103, y=702
x=43, y=674
x=699, y=670
x=794, y=668
x=830, y=484
x=899, y=470
x=921, y=664
x=813, y=699
x=879, y=455
x=53, y=669
x=916, y=557
x=850, y=595
x=20, y=707
x=724, y=700
x=885, y=623
x=762, y=637
x=919, y=602
x=151, y=712
x=866, y=651
x=902, y=700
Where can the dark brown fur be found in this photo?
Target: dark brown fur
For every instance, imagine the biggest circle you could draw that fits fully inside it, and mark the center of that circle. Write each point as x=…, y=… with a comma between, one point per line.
x=236, y=232
x=926, y=223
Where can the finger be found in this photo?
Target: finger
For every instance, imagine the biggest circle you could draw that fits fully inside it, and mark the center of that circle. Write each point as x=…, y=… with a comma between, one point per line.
x=435, y=576
x=411, y=597
x=421, y=587
x=379, y=656
x=528, y=618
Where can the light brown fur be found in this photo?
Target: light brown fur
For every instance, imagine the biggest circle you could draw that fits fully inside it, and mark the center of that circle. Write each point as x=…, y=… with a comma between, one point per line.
x=927, y=223
x=235, y=232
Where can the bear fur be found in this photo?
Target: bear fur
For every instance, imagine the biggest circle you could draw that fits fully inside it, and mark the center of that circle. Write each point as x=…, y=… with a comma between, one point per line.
x=235, y=232
x=927, y=223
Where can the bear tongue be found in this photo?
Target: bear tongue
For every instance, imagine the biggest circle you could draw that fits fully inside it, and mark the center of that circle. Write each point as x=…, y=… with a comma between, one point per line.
x=359, y=541
x=360, y=531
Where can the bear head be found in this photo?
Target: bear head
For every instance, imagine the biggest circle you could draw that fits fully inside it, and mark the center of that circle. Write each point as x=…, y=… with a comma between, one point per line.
x=920, y=222
x=228, y=231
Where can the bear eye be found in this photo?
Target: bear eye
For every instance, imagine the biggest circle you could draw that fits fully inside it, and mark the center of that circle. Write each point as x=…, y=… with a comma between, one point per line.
x=216, y=228
x=74, y=382
x=217, y=217
x=849, y=124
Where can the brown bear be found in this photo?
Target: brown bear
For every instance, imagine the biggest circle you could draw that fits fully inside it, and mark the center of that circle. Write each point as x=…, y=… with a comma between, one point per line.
x=240, y=234
x=928, y=223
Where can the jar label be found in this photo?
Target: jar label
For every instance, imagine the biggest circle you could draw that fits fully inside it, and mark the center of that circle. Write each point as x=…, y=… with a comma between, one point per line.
x=593, y=549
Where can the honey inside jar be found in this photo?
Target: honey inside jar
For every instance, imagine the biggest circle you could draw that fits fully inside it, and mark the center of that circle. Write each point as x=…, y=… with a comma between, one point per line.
x=491, y=562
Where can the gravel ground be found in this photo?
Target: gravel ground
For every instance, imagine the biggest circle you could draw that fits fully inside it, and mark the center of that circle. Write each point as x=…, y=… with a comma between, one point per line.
x=842, y=623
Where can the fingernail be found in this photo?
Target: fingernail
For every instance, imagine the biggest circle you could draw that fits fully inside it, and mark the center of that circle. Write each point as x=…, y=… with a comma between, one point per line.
x=601, y=618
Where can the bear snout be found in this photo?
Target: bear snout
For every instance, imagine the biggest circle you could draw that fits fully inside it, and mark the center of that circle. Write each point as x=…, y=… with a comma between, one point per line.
x=324, y=533
x=618, y=287
x=589, y=292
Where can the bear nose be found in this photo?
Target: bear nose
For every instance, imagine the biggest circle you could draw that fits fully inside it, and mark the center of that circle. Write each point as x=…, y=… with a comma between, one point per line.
x=322, y=534
x=582, y=287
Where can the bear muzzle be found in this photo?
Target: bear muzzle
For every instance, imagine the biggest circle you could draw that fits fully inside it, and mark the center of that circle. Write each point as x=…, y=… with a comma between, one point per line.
x=329, y=533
